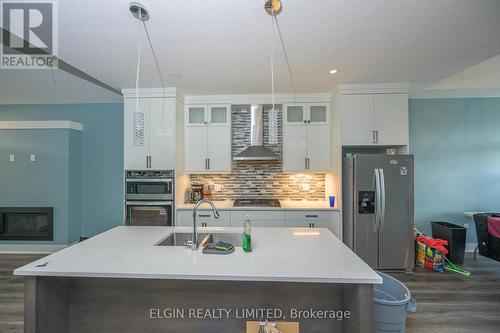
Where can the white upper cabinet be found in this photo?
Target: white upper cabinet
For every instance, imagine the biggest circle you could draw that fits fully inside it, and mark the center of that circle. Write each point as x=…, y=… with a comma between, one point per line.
x=162, y=133
x=306, y=138
x=295, y=114
x=149, y=133
x=357, y=119
x=196, y=115
x=208, y=115
x=196, y=148
x=219, y=115
x=318, y=148
x=208, y=138
x=318, y=114
x=219, y=148
x=311, y=113
x=391, y=119
x=294, y=148
x=375, y=119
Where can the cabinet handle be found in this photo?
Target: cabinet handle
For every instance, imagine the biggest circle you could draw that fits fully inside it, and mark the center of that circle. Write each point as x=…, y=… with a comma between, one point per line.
x=148, y=162
x=312, y=216
x=308, y=163
x=208, y=163
x=305, y=163
x=308, y=121
x=305, y=121
x=375, y=136
x=312, y=225
x=203, y=215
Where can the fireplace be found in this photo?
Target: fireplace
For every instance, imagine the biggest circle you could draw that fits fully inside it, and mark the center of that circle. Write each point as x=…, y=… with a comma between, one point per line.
x=26, y=223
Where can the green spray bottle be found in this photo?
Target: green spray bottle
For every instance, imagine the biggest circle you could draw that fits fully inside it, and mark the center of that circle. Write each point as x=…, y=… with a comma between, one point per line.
x=247, y=235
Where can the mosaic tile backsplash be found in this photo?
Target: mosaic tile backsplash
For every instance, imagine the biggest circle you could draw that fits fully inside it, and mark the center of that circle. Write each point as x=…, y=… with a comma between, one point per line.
x=260, y=179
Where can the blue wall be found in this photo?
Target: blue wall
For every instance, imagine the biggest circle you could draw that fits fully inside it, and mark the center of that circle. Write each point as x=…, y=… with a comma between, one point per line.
x=456, y=143
x=101, y=157
x=43, y=183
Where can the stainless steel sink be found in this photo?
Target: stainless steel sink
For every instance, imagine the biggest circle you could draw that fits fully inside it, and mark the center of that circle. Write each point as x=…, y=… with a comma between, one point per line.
x=180, y=238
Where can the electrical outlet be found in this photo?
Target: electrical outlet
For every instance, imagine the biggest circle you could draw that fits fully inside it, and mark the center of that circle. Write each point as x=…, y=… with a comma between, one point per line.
x=12, y=157
x=217, y=188
x=32, y=157
x=305, y=187
x=466, y=225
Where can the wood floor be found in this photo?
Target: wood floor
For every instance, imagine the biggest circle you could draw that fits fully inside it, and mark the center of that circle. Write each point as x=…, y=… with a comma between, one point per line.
x=446, y=303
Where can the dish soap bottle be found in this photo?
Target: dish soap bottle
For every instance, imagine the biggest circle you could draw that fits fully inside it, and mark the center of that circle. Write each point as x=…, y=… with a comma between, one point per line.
x=247, y=235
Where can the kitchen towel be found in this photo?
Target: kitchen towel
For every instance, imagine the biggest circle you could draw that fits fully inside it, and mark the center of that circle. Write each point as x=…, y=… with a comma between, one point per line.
x=494, y=226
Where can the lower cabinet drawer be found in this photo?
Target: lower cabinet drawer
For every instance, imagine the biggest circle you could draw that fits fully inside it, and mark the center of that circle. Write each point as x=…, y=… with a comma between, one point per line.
x=267, y=215
x=260, y=223
x=306, y=215
x=334, y=226
x=203, y=218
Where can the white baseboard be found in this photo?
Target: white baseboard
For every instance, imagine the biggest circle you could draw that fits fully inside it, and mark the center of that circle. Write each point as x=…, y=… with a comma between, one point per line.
x=470, y=247
x=30, y=248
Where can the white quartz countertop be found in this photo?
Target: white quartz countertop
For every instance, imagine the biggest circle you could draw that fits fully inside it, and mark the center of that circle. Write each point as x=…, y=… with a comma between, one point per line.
x=288, y=205
x=279, y=254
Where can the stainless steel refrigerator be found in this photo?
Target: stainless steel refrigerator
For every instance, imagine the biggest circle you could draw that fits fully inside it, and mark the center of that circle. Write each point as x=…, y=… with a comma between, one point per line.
x=378, y=210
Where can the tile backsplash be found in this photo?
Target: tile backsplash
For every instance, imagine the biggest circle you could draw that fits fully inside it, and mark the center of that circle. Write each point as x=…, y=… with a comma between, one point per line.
x=260, y=179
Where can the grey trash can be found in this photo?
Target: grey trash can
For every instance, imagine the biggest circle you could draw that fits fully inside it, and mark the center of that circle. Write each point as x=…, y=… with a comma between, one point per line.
x=391, y=300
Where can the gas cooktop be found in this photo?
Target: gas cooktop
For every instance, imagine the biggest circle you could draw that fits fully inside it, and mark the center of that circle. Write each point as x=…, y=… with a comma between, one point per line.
x=256, y=203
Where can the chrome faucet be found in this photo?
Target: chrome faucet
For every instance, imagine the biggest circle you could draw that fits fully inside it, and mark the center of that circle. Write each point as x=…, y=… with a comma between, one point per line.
x=194, y=240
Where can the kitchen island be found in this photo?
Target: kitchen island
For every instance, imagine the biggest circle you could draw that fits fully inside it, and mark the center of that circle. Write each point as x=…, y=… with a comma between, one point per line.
x=124, y=281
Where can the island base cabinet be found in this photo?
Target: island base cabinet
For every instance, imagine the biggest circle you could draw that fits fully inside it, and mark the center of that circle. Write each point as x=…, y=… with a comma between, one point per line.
x=89, y=305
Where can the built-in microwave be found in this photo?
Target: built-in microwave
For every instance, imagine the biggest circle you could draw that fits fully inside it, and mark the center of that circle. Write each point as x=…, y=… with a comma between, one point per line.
x=149, y=185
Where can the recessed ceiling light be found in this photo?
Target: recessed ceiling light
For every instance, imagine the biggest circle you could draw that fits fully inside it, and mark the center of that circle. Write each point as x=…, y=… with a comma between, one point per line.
x=333, y=71
x=175, y=75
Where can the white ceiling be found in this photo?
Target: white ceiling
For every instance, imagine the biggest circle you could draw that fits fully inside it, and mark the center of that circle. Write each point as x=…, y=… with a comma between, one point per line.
x=223, y=46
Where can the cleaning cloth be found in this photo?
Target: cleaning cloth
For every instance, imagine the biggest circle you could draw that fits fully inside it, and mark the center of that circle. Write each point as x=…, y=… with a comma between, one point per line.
x=494, y=226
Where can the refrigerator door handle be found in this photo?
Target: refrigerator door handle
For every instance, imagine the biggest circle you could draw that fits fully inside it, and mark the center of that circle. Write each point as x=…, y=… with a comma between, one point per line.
x=382, y=201
x=376, y=177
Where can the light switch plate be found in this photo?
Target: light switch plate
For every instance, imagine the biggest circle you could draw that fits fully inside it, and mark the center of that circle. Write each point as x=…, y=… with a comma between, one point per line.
x=32, y=157
x=12, y=157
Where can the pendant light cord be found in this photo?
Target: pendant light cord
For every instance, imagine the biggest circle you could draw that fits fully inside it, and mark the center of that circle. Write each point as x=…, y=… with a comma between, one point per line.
x=137, y=76
x=154, y=55
x=272, y=57
x=284, y=52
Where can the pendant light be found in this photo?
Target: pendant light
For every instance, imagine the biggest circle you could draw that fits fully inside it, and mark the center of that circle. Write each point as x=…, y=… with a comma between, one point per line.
x=274, y=8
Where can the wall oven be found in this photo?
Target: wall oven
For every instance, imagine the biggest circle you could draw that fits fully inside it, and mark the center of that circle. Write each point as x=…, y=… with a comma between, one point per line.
x=149, y=198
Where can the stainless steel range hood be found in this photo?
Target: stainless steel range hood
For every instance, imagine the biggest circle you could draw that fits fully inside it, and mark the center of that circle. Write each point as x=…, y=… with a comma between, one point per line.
x=256, y=151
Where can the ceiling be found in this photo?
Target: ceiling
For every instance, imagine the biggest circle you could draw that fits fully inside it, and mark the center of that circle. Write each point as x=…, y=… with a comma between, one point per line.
x=481, y=80
x=223, y=46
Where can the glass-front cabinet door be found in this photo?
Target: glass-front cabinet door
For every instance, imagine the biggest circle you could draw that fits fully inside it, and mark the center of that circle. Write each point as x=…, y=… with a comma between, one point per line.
x=219, y=114
x=318, y=114
x=295, y=114
x=196, y=115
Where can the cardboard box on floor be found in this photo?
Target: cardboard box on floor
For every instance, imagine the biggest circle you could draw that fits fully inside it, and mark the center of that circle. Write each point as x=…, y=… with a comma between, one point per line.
x=283, y=326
